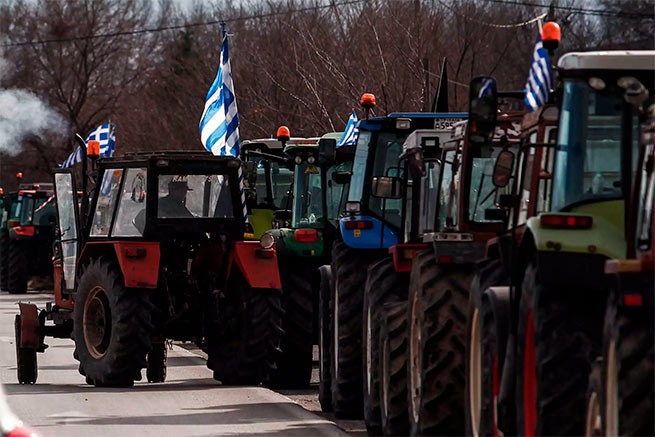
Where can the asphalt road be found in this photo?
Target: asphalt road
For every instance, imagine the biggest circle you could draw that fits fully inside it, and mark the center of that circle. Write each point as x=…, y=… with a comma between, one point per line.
x=189, y=403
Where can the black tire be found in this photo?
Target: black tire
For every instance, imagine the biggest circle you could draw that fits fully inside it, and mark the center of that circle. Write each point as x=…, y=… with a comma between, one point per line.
x=18, y=267
x=392, y=364
x=438, y=301
x=325, y=339
x=294, y=365
x=383, y=285
x=26, y=362
x=156, y=363
x=4, y=262
x=244, y=342
x=349, y=274
x=558, y=339
x=485, y=351
x=112, y=326
x=594, y=403
x=628, y=358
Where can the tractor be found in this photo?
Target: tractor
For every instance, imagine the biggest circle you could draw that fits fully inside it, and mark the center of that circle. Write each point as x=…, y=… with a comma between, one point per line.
x=302, y=247
x=373, y=224
x=620, y=397
x=159, y=257
x=30, y=235
x=537, y=322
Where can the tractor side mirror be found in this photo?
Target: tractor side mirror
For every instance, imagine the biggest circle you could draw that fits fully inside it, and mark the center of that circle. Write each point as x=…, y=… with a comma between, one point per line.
x=503, y=168
x=342, y=177
x=483, y=105
x=386, y=187
x=327, y=151
x=635, y=91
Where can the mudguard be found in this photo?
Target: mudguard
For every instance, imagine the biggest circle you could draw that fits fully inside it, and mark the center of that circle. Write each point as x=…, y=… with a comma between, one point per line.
x=376, y=237
x=30, y=327
x=258, y=266
x=603, y=238
x=138, y=260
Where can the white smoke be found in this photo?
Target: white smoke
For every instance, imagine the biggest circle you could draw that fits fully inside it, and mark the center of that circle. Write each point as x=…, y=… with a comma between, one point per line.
x=23, y=113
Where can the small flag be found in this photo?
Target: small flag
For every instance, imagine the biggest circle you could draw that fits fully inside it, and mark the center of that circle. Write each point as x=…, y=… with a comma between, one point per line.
x=540, y=78
x=105, y=134
x=350, y=133
x=219, y=124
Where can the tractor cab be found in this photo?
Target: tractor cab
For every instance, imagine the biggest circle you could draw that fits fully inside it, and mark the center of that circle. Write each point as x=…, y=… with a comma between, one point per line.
x=375, y=195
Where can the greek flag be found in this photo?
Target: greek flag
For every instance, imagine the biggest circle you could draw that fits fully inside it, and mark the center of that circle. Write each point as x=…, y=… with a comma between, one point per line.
x=540, y=78
x=219, y=124
x=105, y=134
x=349, y=136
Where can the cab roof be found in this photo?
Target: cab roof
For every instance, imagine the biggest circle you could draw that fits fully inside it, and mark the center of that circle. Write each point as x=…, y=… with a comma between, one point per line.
x=608, y=60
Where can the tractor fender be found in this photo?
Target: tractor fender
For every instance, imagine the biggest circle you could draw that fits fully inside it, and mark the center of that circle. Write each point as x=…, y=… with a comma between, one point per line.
x=30, y=326
x=258, y=266
x=376, y=235
x=138, y=260
x=603, y=238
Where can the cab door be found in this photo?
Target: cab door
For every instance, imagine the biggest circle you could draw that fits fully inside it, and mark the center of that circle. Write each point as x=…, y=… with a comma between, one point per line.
x=68, y=222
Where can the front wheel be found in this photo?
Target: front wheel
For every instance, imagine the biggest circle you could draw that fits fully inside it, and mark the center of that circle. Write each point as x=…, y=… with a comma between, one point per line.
x=244, y=340
x=156, y=369
x=324, y=339
x=112, y=326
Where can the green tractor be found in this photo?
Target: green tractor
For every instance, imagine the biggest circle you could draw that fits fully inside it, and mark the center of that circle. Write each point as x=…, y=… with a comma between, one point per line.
x=321, y=173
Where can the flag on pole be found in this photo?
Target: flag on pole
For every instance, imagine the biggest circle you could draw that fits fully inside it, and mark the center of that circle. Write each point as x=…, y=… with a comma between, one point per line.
x=219, y=124
x=105, y=134
x=350, y=133
x=540, y=78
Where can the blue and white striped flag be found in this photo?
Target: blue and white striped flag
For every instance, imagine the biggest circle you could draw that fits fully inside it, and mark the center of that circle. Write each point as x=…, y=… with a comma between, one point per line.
x=105, y=134
x=219, y=124
x=540, y=78
x=350, y=133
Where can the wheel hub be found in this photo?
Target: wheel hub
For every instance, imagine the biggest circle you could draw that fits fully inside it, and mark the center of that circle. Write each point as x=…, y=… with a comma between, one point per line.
x=475, y=374
x=97, y=322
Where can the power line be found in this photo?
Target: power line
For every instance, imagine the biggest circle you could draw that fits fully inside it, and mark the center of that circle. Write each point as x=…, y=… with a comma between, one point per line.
x=500, y=26
x=178, y=26
x=578, y=10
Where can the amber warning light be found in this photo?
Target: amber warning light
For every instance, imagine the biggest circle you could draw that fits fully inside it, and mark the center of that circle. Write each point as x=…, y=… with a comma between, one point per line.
x=367, y=101
x=283, y=133
x=551, y=35
x=93, y=149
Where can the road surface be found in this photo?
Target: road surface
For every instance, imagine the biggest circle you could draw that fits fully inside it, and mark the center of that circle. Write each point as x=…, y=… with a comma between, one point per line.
x=189, y=403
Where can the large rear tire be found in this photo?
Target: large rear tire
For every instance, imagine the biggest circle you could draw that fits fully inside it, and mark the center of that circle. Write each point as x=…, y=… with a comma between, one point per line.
x=112, y=326
x=558, y=339
x=485, y=351
x=325, y=339
x=349, y=275
x=18, y=267
x=26, y=362
x=438, y=301
x=294, y=365
x=4, y=262
x=244, y=341
x=392, y=364
x=628, y=375
x=383, y=285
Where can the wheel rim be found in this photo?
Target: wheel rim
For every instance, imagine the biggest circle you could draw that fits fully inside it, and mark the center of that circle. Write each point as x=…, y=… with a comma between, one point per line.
x=475, y=374
x=97, y=322
x=335, y=331
x=369, y=353
x=529, y=379
x=612, y=392
x=415, y=360
x=592, y=420
x=384, y=387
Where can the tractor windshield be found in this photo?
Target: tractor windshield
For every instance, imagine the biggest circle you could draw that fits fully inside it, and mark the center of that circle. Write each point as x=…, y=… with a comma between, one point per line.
x=386, y=147
x=482, y=192
x=273, y=186
x=307, y=205
x=589, y=156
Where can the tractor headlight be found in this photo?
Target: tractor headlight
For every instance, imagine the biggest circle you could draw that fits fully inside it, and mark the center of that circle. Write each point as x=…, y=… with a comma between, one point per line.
x=298, y=160
x=311, y=159
x=266, y=241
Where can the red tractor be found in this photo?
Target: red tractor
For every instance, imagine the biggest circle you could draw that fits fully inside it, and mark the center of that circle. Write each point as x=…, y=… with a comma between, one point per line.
x=159, y=257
